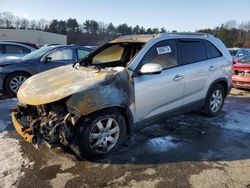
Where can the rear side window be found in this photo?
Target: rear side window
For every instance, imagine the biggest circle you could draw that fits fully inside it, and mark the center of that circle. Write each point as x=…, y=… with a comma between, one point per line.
x=163, y=53
x=82, y=53
x=212, y=51
x=15, y=49
x=192, y=51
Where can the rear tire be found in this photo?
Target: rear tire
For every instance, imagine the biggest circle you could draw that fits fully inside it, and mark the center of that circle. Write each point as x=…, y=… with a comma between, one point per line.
x=14, y=81
x=101, y=133
x=214, y=101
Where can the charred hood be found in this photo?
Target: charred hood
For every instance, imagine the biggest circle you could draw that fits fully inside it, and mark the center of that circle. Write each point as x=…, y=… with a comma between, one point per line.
x=58, y=83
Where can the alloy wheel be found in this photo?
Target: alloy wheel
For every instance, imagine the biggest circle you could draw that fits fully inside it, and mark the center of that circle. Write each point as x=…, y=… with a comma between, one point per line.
x=216, y=101
x=16, y=82
x=104, y=135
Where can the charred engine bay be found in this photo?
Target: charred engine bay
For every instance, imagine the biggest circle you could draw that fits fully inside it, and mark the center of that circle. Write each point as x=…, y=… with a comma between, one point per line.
x=49, y=122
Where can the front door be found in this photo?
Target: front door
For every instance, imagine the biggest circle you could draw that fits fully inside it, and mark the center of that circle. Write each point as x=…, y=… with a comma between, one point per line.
x=56, y=58
x=159, y=93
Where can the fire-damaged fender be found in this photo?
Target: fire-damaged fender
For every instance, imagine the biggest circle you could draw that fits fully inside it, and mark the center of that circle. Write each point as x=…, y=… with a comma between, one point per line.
x=116, y=92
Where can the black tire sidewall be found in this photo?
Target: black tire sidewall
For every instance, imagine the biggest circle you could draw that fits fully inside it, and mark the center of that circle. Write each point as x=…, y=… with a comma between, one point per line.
x=207, y=108
x=89, y=122
x=7, y=82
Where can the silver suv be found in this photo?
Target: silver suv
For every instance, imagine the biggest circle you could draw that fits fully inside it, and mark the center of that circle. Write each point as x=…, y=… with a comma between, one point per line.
x=126, y=84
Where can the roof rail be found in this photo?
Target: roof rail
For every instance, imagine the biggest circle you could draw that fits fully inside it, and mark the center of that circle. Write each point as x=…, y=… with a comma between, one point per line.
x=190, y=33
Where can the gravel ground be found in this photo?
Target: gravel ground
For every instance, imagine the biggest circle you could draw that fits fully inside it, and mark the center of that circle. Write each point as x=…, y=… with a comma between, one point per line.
x=185, y=151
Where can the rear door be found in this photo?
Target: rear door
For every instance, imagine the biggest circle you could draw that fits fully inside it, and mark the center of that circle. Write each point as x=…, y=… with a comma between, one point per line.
x=158, y=93
x=199, y=65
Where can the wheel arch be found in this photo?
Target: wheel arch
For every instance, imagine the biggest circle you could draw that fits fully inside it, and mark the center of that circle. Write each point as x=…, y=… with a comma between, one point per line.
x=125, y=112
x=12, y=73
x=221, y=81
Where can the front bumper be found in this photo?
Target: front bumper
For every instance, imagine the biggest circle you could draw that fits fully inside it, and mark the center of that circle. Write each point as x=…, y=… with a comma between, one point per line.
x=241, y=81
x=45, y=122
x=25, y=132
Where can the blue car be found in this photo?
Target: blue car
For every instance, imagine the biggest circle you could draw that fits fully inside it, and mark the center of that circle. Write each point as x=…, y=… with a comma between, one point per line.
x=14, y=72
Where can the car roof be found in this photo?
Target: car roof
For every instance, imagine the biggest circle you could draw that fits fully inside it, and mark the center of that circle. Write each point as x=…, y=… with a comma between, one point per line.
x=17, y=43
x=20, y=42
x=134, y=38
x=146, y=38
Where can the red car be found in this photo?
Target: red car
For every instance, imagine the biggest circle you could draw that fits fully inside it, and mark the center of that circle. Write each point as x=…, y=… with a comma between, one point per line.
x=241, y=73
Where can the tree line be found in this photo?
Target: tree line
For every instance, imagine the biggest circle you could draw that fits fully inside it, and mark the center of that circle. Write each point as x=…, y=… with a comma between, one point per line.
x=91, y=32
x=232, y=34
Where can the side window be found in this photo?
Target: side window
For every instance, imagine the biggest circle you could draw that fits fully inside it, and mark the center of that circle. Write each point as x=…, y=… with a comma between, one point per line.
x=26, y=50
x=163, y=53
x=212, y=51
x=15, y=49
x=81, y=53
x=192, y=51
x=65, y=54
x=110, y=54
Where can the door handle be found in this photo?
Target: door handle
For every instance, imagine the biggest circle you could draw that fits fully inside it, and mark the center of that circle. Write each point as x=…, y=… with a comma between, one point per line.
x=178, y=77
x=211, y=68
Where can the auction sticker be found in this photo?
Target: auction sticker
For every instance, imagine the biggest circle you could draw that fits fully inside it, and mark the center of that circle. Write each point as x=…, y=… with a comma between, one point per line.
x=163, y=50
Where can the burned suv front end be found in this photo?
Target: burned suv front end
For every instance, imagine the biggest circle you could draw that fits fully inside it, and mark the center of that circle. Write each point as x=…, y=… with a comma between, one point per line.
x=82, y=106
x=51, y=122
x=57, y=115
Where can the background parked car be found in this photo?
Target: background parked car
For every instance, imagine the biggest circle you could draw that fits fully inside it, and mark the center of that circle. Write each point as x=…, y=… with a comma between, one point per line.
x=15, y=50
x=241, y=73
x=238, y=53
x=14, y=73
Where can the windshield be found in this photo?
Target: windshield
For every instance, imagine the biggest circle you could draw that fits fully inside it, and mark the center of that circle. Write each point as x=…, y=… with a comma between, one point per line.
x=38, y=53
x=113, y=55
x=245, y=59
x=233, y=52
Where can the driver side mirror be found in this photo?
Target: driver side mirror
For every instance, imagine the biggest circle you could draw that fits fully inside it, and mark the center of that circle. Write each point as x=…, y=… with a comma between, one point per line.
x=47, y=59
x=151, y=68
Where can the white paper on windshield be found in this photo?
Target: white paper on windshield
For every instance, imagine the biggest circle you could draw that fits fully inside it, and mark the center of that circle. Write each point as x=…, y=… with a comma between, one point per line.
x=163, y=50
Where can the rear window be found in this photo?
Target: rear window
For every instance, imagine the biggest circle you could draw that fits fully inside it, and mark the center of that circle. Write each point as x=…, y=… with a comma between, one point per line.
x=82, y=53
x=192, y=51
x=245, y=59
x=15, y=49
x=212, y=51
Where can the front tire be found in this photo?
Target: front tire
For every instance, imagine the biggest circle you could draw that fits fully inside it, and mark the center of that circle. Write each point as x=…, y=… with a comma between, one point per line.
x=13, y=82
x=101, y=133
x=214, y=101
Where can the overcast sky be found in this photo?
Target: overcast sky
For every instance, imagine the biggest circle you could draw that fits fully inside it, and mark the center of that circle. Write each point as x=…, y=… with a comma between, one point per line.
x=181, y=15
